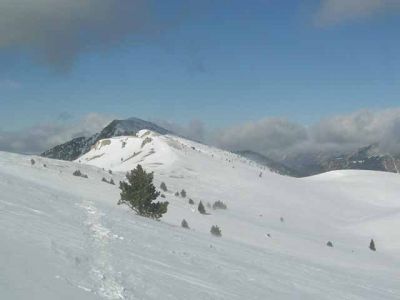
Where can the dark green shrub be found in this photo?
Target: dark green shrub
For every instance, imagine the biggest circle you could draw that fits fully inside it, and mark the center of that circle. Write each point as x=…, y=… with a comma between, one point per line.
x=185, y=224
x=78, y=173
x=163, y=187
x=372, y=245
x=219, y=205
x=216, y=231
x=201, y=208
x=139, y=194
x=183, y=194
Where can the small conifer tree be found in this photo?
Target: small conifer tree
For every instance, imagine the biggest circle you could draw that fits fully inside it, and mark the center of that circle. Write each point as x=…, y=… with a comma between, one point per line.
x=372, y=245
x=32, y=161
x=216, y=231
x=183, y=194
x=185, y=224
x=329, y=244
x=191, y=201
x=112, y=181
x=139, y=194
x=78, y=173
x=219, y=205
x=201, y=208
x=163, y=186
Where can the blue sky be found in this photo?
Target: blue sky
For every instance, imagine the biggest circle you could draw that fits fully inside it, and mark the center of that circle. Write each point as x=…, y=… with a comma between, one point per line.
x=224, y=62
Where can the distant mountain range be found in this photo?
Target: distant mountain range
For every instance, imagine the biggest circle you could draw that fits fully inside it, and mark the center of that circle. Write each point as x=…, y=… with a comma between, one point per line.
x=274, y=166
x=300, y=165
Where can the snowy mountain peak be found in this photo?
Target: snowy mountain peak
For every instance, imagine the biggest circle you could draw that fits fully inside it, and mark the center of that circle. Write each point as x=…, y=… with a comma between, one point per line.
x=155, y=151
x=71, y=150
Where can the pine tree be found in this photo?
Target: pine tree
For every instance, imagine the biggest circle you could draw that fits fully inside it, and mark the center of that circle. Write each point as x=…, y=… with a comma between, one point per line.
x=201, y=208
x=139, y=193
x=163, y=186
x=372, y=245
x=329, y=244
x=185, y=224
x=215, y=231
x=219, y=205
x=183, y=194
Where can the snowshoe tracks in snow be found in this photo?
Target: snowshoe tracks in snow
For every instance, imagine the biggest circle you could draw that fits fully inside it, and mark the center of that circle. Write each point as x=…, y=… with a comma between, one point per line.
x=105, y=279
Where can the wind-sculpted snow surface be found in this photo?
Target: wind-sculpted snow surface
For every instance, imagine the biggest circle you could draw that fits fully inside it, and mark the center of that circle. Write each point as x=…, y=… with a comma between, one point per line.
x=65, y=237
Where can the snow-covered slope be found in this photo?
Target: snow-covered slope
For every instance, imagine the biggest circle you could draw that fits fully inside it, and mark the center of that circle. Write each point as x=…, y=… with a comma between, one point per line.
x=64, y=237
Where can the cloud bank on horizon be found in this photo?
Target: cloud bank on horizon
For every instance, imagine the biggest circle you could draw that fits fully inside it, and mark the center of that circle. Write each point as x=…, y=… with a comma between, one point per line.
x=40, y=137
x=274, y=137
x=278, y=137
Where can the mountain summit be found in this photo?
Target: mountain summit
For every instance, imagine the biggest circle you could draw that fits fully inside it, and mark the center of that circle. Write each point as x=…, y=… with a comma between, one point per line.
x=73, y=149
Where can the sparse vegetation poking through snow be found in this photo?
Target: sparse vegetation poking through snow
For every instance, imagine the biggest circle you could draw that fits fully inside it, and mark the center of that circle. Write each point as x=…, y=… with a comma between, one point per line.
x=185, y=224
x=201, y=208
x=163, y=187
x=109, y=182
x=191, y=201
x=329, y=244
x=219, y=205
x=78, y=173
x=109, y=171
x=183, y=194
x=372, y=245
x=216, y=231
x=146, y=141
x=32, y=161
x=139, y=194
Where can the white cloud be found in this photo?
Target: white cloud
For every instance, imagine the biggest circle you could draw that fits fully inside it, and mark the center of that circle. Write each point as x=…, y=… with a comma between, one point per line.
x=278, y=137
x=43, y=136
